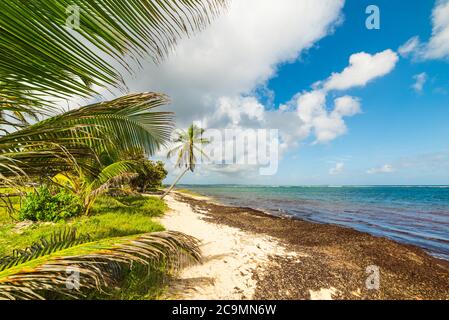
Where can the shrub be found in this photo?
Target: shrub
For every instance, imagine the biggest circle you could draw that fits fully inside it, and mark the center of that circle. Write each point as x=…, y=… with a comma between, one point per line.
x=42, y=205
x=150, y=176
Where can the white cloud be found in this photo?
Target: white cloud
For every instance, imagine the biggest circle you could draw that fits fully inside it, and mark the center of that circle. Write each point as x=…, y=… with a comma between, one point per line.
x=326, y=125
x=409, y=47
x=387, y=168
x=238, y=110
x=420, y=80
x=311, y=106
x=437, y=47
x=339, y=167
x=347, y=106
x=363, y=68
x=212, y=77
x=238, y=53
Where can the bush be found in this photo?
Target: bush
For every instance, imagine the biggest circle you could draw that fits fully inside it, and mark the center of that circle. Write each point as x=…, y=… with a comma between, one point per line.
x=150, y=176
x=42, y=205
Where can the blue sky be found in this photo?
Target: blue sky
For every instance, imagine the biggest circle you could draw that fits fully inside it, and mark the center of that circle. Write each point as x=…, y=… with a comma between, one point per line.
x=256, y=66
x=397, y=124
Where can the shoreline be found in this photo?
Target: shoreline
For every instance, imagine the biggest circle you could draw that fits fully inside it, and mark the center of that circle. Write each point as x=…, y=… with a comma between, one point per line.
x=298, y=259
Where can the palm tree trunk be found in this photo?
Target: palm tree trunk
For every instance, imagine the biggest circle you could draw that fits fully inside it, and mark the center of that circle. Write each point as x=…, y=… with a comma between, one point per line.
x=174, y=183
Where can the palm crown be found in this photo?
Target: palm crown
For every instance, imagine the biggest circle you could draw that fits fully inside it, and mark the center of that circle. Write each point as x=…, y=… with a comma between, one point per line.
x=188, y=144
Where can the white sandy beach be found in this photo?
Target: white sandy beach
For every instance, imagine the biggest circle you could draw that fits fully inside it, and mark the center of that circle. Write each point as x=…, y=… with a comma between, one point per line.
x=230, y=257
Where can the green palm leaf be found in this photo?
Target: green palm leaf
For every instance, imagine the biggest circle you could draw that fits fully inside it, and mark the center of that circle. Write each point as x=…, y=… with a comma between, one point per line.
x=78, y=135
x=41, y=57
x=99, y=264
x=58, y=241
x=115, y=170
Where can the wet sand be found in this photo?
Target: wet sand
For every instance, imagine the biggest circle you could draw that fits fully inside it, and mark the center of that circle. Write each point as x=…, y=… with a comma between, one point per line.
x=285, y=258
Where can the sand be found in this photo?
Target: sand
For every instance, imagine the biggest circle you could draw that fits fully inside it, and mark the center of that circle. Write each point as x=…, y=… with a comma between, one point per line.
x=249, y=254
x=230, y=256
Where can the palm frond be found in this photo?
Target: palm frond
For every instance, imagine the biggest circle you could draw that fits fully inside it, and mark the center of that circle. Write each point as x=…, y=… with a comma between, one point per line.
x=98, y=263
x=115, y=170
x=58, y=241
x=42, y=56
x=121, y=124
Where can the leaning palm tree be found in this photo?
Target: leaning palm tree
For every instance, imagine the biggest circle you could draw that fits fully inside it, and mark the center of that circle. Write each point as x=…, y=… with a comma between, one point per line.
x=187, y=144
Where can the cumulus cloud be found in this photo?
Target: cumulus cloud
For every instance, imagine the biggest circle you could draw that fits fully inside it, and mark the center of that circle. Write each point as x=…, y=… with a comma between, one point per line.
x=237, y=54
x=213, y=77
x=312, y=108
x=363, y=68
x=387, y=168
x=420, y=80
x=347, y=106
x=437, y=47
x=339, y=167
x=326, y=125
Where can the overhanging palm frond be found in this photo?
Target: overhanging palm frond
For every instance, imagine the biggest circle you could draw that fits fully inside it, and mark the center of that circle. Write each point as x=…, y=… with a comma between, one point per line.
x=115, y=170
x=42, y=56
x=99, y=264
x=58, y=241
x=121, y=124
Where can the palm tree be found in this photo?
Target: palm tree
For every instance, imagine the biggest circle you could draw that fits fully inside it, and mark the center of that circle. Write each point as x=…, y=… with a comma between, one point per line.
x=89, y=187
x=187, y=145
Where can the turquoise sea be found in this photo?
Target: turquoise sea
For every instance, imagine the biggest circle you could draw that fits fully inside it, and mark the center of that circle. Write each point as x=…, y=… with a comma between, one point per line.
x=416, y=215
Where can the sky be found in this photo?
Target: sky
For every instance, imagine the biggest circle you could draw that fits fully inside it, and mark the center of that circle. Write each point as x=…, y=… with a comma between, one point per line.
x=352, y=105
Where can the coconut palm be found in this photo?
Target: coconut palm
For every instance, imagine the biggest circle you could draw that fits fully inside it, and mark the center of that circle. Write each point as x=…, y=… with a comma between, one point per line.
x=187, y=145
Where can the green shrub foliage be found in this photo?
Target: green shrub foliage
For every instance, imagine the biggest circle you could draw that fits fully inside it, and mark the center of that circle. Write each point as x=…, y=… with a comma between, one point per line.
x=43, y=205
x=150, y=176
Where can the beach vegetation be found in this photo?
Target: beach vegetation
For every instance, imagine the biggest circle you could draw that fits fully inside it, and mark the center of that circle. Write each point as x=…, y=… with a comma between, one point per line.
x=149, y=174
x=43, y=205
x=96, y=267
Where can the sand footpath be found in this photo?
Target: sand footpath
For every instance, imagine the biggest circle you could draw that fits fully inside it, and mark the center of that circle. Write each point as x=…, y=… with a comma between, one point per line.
x=230, y=256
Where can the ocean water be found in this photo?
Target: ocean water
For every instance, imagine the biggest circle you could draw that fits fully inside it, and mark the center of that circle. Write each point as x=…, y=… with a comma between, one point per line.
x=417, y=215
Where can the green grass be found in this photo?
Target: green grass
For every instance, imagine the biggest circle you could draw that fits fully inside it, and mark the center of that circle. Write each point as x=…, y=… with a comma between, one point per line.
x=111, y=217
